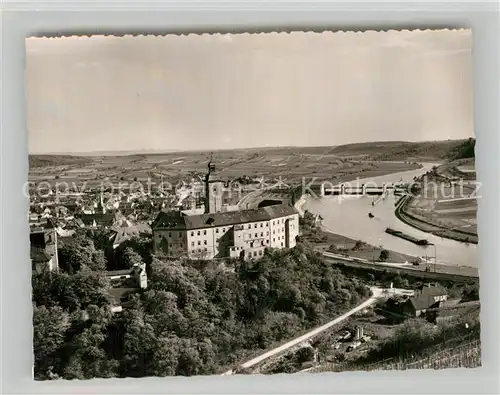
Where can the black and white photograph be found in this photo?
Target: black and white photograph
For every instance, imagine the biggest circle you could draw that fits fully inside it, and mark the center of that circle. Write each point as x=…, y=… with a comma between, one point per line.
x=252, y=204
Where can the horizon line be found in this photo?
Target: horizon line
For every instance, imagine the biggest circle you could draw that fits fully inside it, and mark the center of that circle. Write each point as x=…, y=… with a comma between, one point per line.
x=166, y=151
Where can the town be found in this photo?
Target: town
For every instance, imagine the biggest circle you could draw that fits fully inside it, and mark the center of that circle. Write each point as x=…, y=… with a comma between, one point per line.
x=244, y=204
x=211, y=219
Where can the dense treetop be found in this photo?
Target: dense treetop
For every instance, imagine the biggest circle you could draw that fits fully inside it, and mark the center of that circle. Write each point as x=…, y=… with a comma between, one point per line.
x=194, y=317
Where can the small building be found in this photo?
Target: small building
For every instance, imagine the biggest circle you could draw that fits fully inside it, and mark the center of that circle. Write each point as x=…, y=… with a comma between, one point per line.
x=124, y=283
x=426, y=297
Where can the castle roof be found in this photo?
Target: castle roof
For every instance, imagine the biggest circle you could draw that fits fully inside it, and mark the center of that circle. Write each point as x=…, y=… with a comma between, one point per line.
x=175, y=220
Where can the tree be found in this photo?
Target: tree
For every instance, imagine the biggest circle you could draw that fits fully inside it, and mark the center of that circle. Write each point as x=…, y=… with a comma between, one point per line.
x=131, y=258
x=384, y=255
x=359, y=244
x=72, y=256
x=98, y=262
x=49, y=329
x=193, y=318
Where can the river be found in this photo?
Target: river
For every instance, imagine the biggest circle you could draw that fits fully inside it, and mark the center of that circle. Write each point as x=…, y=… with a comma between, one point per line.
x=348, y=216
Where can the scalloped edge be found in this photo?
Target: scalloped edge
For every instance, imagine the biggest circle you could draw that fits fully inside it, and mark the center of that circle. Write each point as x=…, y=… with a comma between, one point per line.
x=57, y=36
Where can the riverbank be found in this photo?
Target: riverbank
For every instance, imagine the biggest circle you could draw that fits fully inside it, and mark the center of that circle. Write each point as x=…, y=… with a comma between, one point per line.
x=425, y=225
x=325, y=239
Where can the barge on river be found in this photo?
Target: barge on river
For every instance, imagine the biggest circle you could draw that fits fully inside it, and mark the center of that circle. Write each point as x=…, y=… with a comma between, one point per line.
x=397, y=233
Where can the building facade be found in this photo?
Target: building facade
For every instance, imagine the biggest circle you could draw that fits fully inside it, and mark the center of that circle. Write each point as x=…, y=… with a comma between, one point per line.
x=236, y=234
x=218, y=233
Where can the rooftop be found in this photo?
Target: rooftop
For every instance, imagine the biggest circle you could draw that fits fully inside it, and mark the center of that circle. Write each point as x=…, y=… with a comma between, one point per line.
x=424, y=296
x=176, y=220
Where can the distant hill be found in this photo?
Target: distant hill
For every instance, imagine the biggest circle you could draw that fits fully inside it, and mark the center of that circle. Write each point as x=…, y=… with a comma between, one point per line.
x=377, y=151
x=56, y=160
x=403, y=150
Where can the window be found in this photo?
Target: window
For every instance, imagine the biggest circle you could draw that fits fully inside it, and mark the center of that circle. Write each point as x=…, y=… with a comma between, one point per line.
x=180, y=234
x=205, y=232
x=169, y=234
x=251, y=244
x=260, y=252
x=267, y=233
x=199, y=233
x=205, y=250
x=192, y=244
x=217, y=230
x=256, y=235
x=255, y=226
x=192, y=234
x=261, y=234
x=261, y=225
x=274, y=239
x=255, y=253
x=249, y=226
x=282, y=244
x=274, y=232
x=262, y=242
x=205, y=242
x=199, y=242
x=193, y=251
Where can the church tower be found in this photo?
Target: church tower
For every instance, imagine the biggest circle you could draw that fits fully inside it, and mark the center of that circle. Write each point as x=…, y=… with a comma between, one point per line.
x=214, y=188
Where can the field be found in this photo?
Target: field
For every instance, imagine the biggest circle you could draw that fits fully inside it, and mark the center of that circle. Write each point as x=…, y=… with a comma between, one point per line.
x=291, y=165
x=339, y=163
x=445, y=209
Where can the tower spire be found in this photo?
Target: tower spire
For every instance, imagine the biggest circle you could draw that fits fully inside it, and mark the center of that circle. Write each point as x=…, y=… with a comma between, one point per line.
x=211, y=166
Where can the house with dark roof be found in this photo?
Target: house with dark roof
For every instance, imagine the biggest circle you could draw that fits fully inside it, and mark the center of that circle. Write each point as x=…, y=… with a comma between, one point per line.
x=429, y=296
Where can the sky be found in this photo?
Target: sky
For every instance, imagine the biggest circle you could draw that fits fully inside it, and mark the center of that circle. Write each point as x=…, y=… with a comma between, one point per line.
x=206, y=92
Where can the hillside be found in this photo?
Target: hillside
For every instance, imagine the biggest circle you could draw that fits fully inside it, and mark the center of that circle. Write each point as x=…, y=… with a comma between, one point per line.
x=57, y=160
x=380, y=151
x=402, y=150
x=465, y=355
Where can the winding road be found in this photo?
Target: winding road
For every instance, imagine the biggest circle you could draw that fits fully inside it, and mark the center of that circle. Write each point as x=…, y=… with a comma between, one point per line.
x=377, y=295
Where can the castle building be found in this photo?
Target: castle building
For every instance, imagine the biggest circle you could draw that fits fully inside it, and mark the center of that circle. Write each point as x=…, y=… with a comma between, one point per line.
x=217, y=233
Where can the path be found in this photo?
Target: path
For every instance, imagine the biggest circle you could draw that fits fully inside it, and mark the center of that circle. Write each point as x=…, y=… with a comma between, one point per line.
x=377, y=294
